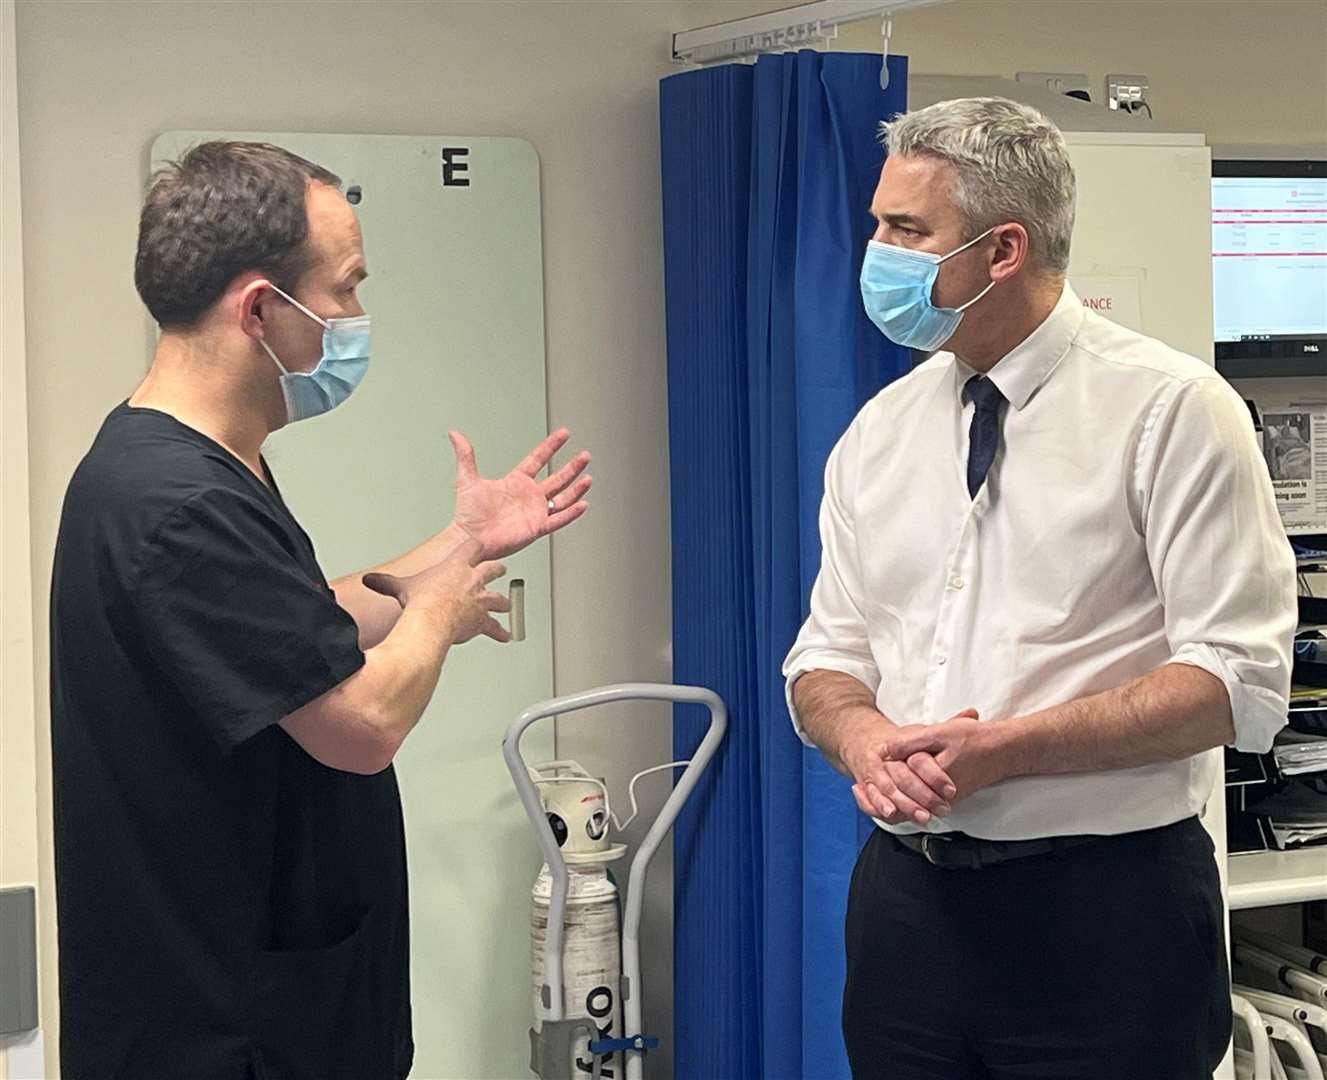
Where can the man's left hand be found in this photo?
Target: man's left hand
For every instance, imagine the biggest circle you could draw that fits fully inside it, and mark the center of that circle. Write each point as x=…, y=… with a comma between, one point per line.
x=503, y=516
x=961, y=746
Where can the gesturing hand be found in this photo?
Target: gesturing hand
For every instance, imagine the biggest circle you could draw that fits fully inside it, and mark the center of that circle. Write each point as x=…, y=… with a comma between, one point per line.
x=958, y=746
x=453, y=593
x=503, y=516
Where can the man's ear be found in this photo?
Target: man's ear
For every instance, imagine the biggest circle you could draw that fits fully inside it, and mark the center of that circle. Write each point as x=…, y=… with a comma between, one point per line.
x=254, y=299
x=1012, y=251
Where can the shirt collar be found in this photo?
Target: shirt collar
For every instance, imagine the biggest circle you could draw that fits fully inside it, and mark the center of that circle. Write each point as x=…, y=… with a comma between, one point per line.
x=1021, y=371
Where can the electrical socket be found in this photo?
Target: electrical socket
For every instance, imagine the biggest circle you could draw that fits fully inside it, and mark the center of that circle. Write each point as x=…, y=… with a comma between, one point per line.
x=1128, y=92
x=1060, y=82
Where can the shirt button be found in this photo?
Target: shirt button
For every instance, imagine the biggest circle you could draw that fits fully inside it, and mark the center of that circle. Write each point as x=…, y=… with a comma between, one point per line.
x=956, y=582
x=941, y=660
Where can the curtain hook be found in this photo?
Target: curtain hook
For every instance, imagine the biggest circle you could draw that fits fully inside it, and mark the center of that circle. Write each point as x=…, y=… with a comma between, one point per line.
x=886, y=29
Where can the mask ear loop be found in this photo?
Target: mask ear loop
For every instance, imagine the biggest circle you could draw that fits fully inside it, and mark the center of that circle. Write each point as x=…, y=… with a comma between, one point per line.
x=268, y=348
x=286, y=296
x=964, y=307
x=290, y=300
x=886, y=29
x=989, y=285
x=284, y=370
x=964, y=247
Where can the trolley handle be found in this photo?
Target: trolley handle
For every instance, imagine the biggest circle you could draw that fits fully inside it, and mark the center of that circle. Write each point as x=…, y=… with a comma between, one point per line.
x=552, y=990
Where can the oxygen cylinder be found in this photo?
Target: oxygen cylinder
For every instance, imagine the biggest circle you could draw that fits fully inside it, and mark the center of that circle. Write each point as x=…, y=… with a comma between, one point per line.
x=591, y=960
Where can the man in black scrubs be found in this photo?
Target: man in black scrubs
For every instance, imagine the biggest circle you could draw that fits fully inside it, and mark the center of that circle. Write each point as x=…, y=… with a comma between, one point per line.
x=230, y=858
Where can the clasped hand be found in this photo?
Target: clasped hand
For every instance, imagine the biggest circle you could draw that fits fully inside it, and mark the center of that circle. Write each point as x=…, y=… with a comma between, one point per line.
x=919, y=771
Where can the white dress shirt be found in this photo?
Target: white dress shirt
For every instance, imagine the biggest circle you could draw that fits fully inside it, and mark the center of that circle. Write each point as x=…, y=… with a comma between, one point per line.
x=1127, y=522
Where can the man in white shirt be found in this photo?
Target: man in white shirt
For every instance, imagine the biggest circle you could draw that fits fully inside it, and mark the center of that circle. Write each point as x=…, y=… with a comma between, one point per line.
x=1053, y=583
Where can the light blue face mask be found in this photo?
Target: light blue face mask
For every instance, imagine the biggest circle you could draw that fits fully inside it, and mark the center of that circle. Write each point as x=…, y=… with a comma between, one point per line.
x=896, y=291
x=344, y=361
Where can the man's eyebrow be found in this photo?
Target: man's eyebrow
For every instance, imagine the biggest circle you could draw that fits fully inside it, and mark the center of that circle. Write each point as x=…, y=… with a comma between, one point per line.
x=906, y=221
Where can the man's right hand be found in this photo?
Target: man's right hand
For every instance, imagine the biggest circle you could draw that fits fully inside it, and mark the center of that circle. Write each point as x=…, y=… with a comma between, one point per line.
x=893, y=791
x=359, y=724
x=454, y=593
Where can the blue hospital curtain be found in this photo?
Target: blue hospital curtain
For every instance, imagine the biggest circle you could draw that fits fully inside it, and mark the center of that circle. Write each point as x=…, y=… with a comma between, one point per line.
x=768, y=171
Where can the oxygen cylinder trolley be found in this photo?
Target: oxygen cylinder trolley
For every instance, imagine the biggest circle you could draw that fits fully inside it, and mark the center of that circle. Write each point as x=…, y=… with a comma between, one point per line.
x=587, y=981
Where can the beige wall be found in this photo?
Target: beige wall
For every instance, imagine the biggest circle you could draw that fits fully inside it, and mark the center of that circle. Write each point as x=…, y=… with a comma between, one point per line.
x=1241, y=71
x=20, y=858
x=98, y=80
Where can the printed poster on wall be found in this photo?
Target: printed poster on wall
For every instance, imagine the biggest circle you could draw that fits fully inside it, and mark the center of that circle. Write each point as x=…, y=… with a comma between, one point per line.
x=1115, y=296
x=1294, y=439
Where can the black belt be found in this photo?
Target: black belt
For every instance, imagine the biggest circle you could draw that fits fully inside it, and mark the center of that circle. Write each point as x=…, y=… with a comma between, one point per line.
x=955, y=851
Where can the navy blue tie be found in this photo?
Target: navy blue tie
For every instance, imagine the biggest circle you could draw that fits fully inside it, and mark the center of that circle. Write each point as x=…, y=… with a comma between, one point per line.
x=984, y=432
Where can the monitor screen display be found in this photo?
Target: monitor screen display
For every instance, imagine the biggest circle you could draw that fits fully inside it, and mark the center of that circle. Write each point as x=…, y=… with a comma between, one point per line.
x=1269, y=259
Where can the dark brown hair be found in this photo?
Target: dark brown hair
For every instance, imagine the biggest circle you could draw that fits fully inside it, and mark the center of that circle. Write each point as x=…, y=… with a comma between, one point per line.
x=222, y=209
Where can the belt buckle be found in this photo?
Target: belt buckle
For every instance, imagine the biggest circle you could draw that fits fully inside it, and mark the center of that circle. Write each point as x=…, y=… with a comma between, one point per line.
x=929, y=839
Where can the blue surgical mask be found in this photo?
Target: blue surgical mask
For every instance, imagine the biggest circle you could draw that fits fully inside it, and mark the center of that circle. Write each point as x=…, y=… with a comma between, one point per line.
x=344, y=361
x=896, y=291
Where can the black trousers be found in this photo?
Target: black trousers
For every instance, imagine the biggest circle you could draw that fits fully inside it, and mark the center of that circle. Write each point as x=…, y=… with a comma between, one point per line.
x=1106, y=961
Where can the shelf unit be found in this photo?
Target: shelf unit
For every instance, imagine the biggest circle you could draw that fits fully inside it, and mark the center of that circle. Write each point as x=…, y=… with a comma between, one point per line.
x=1267, y=878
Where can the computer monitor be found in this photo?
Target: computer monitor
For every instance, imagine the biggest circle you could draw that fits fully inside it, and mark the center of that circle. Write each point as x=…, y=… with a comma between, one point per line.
x=1269, y=267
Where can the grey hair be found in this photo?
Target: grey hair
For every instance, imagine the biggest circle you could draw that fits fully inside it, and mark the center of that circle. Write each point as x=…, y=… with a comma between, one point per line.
x=1010, y=164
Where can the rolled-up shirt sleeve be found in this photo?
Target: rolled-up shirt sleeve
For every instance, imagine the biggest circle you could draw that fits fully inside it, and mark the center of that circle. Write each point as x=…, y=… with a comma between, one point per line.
x=834, y=636
x=1223, y=567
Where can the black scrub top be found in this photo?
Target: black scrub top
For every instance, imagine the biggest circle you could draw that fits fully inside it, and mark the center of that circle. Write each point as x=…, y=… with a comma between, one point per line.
x=228, y=907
